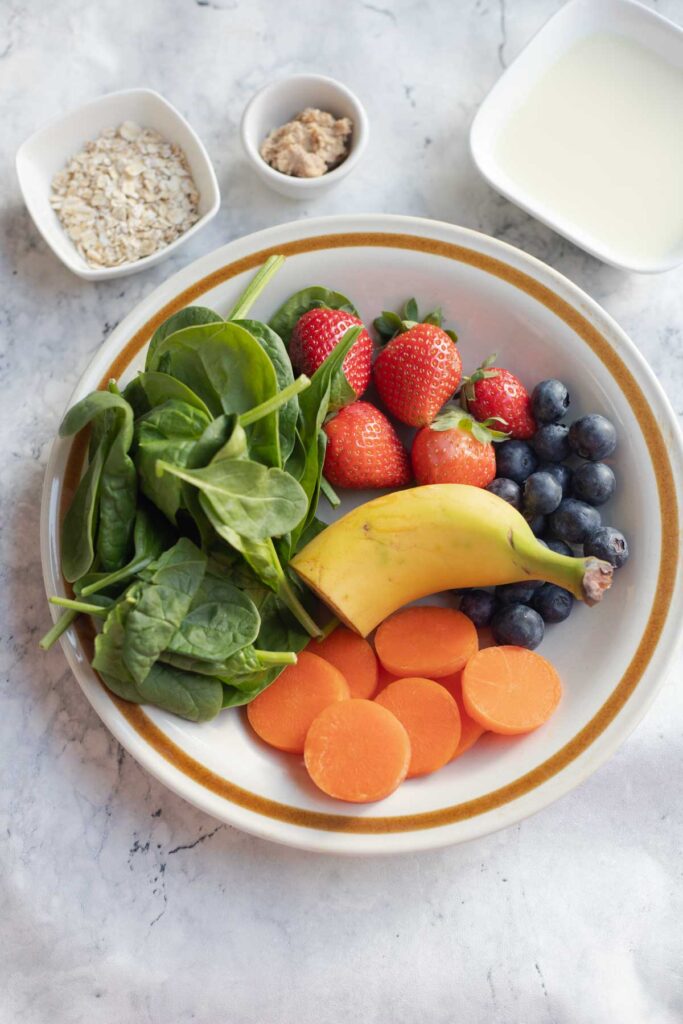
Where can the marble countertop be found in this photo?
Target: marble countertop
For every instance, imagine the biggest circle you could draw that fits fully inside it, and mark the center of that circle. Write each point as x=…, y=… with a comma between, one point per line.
x=119, y=902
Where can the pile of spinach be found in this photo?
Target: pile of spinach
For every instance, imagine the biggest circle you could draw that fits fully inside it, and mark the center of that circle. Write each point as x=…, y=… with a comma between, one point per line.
x=202, y=481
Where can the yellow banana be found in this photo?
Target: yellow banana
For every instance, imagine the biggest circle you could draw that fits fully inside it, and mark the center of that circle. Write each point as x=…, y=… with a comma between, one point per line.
x=412, y=543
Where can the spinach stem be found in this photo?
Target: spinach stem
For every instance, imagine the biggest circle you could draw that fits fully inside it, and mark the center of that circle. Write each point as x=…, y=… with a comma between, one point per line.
x=276, y=657
x=60, y=626
x=271, y=404
x=329, y=492
x=329, y=627
x=115, y=577
x=80, y=606
x=255, y=287
x=286, y=594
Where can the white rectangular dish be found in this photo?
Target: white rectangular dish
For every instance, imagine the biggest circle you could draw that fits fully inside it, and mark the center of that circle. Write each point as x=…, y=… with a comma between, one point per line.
x=584, y=132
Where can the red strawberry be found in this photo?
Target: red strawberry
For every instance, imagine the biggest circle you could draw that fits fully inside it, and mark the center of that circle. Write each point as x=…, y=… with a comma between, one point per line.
x=455, y=449
x=314, y=336
x=364, y=450
x=494, y=393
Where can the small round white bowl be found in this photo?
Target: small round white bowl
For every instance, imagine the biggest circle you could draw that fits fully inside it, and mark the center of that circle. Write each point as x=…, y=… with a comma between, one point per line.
x=49, y=149
x=278, y=103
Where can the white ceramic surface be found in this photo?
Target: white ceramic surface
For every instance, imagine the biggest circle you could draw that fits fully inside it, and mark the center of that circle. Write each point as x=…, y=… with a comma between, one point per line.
x=574, y=21
x=489, y=313
x=277, y=103
x=48, y=150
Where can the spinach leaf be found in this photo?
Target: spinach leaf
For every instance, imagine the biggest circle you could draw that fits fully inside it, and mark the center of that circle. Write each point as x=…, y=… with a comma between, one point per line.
x=108, y=659
x=273, y=345
x=284, y=320
x=118, y=493
x=221, y=621
x=229, y=370
x=279, y=630
x=159, y=603
x=80, y=522
x=191, y=316
x=251, y=686
x=162, y=387
x=169, y=432
x=254, y=501
x=187, y=694
x=152, y=534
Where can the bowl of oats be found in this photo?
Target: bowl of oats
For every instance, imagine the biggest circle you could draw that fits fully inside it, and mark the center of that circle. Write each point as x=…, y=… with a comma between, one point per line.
x=117, y=185
x=303, y=134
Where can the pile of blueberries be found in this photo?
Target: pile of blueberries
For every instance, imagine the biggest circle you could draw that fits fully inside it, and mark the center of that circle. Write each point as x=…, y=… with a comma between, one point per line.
x=560, y=501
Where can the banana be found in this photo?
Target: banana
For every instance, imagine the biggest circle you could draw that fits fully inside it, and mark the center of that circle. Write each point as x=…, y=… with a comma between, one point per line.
x=412, y=543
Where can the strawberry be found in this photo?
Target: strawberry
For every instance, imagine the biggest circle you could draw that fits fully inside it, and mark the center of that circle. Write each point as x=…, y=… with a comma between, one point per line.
x=364, y=450
x=419, y=369
x=455, y=449
x=314, y=336
x=494, y=393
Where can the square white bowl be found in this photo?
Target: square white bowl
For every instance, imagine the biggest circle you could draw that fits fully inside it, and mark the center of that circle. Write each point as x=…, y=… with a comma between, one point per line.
x=575, y=21
x=49, y=149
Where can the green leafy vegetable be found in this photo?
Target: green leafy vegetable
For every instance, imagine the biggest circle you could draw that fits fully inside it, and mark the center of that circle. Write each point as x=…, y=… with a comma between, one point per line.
x=221, y=621
x=191, y=316
x=169, y=432
x=274, y=347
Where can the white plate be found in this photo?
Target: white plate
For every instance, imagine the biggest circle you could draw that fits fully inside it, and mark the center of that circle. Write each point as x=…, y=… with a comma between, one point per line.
x=612, y=658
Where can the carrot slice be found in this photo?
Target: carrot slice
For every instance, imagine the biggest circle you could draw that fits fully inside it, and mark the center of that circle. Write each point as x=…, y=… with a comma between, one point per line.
x=470, y=731
x=357, y=751
x=431, y=719
x=353, y=656
x=510, y=690
x=426, y=641
x=384, y=678
x=282, y=714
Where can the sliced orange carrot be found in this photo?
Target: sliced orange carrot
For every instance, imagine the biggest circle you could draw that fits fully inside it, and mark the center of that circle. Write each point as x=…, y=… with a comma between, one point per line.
x=431, y=719
x=357, y=751
x=470, y=731
x=282, y=714
x=426, y=640
x=353, y=656
x=384, y=678
x=510, y=690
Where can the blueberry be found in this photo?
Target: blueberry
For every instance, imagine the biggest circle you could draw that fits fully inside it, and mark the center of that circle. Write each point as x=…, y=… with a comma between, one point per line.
x=479, y=606
x=519, y=625
x=609, y=544
x=542, y=494
x=549, y=401
x=517, y=593
x=551, y=442
x=559, y=547
x=537, y=524
x=593, y=437
x=552, y=603
x=515, y=460
x=506, y=489
x=563, y=474
x=593, y=482
x=573, y=521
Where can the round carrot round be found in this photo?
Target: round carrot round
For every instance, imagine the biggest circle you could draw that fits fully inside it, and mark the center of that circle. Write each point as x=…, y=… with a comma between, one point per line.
x=427, y=641
x=282, y=714
x=431, y=719
x=353, y=656
x=510, y=690
x=470, y=731
x=384, y=678
x=357, y=751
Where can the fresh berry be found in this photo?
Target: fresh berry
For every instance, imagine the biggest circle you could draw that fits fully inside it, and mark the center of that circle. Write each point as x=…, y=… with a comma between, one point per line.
x=609, y=544
x=574, y=521
x=553, y=604
x=549, y=401
x=314, y=336
x=542, y=494
x=494, y=393
x=364, y=450
x=515, y=460
x=417, y=373
x=558, y=546
x=519, y=625
x=479, y=606
x=506, y=489
x=563, y=474
x=593, y=482
x=455, y=449
x=537, y=523
x=551, y=442
x=517, y=593
x=593, y=437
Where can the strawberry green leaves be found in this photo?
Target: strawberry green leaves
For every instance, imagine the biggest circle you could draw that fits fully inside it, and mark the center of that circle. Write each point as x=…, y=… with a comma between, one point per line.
x=455, y=419
x=388, y=325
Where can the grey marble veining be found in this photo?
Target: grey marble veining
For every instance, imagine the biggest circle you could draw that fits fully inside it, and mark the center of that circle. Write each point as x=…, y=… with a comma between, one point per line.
x=119, y=902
